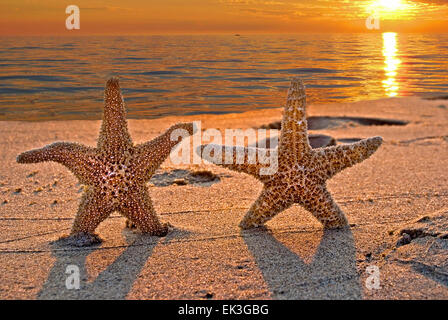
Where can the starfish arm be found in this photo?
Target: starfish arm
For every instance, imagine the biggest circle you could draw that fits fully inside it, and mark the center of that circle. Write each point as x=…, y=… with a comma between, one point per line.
x=138, y=208
x=152, y=154
x=321, y=204
x=240, y=159
x=94, y=209
x=294, y=135
x=114, y=135
x=337, y=158
x=268, y=204
x=76, y=157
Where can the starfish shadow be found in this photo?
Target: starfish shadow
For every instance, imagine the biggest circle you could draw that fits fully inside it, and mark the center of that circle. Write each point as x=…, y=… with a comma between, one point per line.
x=115, y=282
x=332, y=273
x=431, y=273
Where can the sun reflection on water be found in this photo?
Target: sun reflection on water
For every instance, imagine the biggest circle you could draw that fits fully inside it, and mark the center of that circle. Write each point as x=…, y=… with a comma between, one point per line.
x=391, y=63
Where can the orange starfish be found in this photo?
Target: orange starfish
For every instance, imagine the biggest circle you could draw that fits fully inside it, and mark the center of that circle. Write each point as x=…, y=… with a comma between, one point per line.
x=115, y=172
x=302, y=172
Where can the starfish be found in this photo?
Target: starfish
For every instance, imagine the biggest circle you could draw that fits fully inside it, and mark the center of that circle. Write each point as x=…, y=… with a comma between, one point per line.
x=114, y=173
x=301, y=173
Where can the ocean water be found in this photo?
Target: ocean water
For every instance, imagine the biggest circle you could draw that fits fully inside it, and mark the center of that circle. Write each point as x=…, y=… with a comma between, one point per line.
x=47, y=78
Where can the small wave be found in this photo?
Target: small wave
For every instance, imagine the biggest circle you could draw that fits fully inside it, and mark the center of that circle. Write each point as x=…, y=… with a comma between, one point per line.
x=247, y=79
x=63, y=47
x=23, y=48
x=9, y=90
x=145, y=90
x=195, y=113
x=308, y=70
x=328, y=85
x=219, y=61
x=224, y=96
x=14, y=90
x=42, y=78
x=343, y=78
x=134, y=59
x=161, y=72
x=254, y=87
x=69, y=89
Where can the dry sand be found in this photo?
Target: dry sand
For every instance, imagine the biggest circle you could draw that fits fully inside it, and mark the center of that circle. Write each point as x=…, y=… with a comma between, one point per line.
x=396, y=202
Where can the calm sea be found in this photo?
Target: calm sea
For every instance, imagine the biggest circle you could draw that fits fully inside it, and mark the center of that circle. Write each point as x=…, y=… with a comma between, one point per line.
x=44, y=78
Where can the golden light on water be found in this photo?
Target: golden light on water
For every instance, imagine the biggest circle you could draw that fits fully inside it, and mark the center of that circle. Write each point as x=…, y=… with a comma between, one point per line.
x=391, y=63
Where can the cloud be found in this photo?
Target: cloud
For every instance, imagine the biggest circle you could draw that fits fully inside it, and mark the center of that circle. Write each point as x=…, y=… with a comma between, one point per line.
x=298, y=8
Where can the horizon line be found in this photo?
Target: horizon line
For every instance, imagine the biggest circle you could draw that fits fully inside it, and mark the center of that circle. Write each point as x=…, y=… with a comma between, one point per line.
x=80, y=34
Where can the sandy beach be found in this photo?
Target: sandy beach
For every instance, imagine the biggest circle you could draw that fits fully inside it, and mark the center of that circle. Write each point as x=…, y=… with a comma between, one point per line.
x=396, y=203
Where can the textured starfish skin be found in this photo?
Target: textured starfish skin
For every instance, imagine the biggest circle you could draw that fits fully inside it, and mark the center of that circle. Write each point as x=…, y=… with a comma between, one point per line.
x=115, y=172
x=302, y=171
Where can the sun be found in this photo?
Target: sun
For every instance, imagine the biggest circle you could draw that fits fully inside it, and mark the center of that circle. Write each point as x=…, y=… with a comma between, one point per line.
x=389, y=5
x=388, y=9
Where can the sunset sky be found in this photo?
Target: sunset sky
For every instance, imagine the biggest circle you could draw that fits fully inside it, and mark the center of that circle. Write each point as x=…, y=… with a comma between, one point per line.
x=21, y=17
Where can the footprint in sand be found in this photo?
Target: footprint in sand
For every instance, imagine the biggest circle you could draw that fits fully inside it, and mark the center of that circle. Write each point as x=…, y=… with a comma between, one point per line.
x=203, y=178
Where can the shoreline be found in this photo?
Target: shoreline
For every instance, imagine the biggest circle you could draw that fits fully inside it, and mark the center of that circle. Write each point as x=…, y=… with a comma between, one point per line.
x=429, y=97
